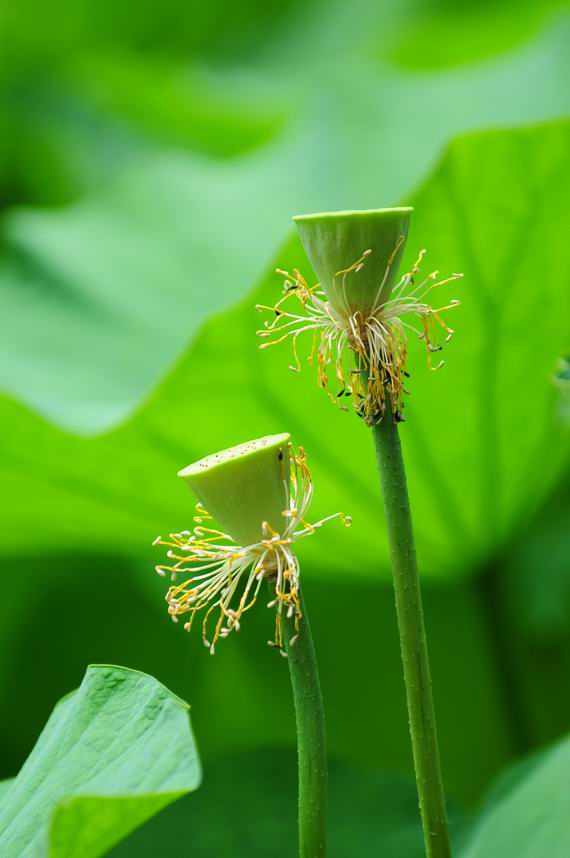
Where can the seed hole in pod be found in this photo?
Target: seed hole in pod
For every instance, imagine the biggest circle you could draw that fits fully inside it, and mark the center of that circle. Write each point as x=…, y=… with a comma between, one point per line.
x=232, y=453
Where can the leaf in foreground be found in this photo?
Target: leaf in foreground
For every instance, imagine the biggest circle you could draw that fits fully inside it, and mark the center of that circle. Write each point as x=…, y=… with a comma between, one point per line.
x=112, y=754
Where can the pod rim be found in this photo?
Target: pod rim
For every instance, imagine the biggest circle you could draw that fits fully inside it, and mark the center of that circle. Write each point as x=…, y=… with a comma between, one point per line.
x=351, y=213
x=238, y=452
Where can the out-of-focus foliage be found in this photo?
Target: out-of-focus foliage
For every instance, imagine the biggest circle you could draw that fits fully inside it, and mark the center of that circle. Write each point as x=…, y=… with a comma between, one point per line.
x=449, y=33
x=168, y=219
x=150, y=159
x=100, y=768
x=493, y=204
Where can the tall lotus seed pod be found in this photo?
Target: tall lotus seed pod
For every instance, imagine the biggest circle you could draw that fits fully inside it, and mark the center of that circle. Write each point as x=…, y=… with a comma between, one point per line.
x=359, y=316
x=244, y=486
x=367, y=243
x=360, y=313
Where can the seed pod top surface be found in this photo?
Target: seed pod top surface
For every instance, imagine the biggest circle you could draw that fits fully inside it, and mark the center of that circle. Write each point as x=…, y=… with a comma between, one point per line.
x=243, y=486
x=336, y=243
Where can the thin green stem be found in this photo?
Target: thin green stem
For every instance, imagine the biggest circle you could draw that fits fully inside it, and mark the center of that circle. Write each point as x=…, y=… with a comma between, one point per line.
x=412, y=637
x=311, y=742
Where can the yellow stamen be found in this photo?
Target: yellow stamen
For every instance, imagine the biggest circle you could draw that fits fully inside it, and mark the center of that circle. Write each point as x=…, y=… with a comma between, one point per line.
x=218, y=566
x=378, y=342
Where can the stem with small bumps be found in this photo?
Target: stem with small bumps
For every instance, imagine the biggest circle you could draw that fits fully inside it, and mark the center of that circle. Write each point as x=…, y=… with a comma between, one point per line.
x=412, y=637
x=311, y=741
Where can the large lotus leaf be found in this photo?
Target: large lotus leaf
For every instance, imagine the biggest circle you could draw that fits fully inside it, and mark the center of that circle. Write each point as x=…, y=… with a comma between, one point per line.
x=101, y=296
x=113, y=754
x=495, y=207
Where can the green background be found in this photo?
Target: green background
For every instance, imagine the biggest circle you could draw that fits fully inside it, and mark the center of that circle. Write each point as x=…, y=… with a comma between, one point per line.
x=151, y=156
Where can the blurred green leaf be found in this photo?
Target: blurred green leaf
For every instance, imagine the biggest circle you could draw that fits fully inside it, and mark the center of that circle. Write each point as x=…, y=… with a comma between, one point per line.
x=184, y=176
x=248, y=806
x=528, y=815
x=117, y=282
x=219, y=30
x=113, y=753
x=4, y=787
x=440, y=33
x=219, y=113
x=494, y=207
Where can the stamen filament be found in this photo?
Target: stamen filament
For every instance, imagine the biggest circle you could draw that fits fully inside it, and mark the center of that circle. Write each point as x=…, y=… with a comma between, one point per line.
x=219, y=567
x=377, y=341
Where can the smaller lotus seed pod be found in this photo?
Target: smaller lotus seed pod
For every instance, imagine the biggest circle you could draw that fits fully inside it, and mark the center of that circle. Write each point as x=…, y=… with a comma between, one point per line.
x=244, y=486
x=355, y=255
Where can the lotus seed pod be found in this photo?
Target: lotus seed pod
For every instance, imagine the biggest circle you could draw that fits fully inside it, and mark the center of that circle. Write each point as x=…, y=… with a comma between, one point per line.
x=244, y=486
x=355, y=255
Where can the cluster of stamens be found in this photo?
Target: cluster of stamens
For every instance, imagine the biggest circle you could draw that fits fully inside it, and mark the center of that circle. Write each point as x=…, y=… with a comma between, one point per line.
x=225, y=578
x=367, y=351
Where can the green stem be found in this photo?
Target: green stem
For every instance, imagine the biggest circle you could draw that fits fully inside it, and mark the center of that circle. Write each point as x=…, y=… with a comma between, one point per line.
x=311, y=743
x=412, y=637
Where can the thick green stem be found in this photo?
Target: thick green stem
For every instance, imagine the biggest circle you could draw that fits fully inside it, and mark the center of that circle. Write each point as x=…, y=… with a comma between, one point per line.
x=412, y=638
x=311, y=742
